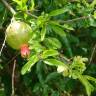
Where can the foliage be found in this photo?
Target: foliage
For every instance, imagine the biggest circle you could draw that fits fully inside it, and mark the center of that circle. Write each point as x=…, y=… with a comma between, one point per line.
x=62, y=57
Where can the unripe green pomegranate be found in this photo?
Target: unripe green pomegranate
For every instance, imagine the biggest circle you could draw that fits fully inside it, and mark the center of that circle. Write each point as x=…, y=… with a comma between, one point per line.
x=18, y=34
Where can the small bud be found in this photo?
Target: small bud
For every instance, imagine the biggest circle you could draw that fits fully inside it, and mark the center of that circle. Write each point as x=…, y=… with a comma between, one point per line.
x=25, y=52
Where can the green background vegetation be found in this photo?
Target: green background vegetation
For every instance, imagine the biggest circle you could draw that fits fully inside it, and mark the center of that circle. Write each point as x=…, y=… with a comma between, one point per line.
x=63, y=49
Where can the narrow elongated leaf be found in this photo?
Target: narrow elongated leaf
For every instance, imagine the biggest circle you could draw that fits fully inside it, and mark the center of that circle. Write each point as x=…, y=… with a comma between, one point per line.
x=51, y=76
x=50, y=52
x=32, y=5
x=55, y=23
x=43, y=32
x=58, y=11
x=58, y=30
x=54, y=62
x=88, y=86
x=90, y=78
x=52, y=43
x=66, y=26
x=17, y=1
x=36, y=87
x=67, y=45
x=29, y=64
x=2, y=92
x=24, y=1
x=39, y=72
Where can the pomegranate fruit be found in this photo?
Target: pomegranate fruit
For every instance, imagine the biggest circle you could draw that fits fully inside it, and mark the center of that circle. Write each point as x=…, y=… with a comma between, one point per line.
x=18, y=34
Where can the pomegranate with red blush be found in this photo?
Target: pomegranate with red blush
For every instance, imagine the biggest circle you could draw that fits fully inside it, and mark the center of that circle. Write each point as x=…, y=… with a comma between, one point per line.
x=18, y=34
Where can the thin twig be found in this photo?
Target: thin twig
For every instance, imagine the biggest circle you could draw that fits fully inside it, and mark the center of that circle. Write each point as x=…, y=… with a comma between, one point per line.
x=9, y=7
x=13, y=74
x=68, y=61
x=73, y=20
x=13, y=58
x=92, y=55
x=3, y=44
x=27, y=12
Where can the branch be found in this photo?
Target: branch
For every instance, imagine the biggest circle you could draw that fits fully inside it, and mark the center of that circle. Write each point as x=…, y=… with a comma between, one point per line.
x=13, y=73
x=3, y=44
x=28, y=13
x=13, y=58
x=9, y=7
x=73, y=20
x=92, y=54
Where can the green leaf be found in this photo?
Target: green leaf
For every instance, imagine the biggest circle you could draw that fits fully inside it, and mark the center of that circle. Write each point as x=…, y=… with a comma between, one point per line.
x=67, y=45
x=17, y=1
x=51, y=76
x=94, y=15
x=55, y=93
x=36, y=46
x=58, y=30
x=52, y=43
x=53, y=62
x=21, y=4
x=49, y=52
x=92, y=22
x=43, y=32
x=55, y=23
x=29, y=64
x=3, y=15
x=40, y=72
x=1, y=7
x=2, y=92
x=73, y=39
x=66, y=26
x=90, y=78
x=32, y=5
x=79, y=63
x=58, y=12
x=36, y=87
x=1, y=67
x=88, y=86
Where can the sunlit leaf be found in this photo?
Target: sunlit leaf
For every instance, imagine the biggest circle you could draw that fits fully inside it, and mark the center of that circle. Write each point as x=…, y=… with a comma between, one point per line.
x=58, y=30
x=49, y=52
x=52, y=43
x=29, y=64
x=43, y=33
x=32, y=5
x=88, y=86
x=58, y=11
x=90, y=78
x=53, y=62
